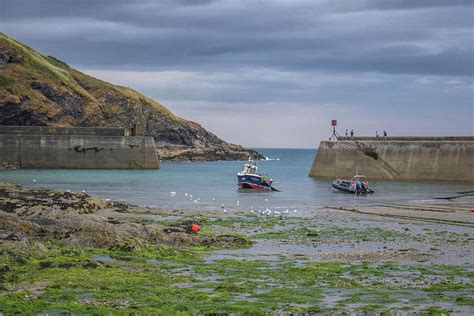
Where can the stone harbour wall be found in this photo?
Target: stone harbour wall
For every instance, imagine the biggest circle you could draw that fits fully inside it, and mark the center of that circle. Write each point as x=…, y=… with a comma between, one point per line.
x=24, y=150
x=391, y=158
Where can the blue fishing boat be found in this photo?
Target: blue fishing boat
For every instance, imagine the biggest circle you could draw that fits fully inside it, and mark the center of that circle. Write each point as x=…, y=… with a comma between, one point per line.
x=358, y=185
x=248, y=178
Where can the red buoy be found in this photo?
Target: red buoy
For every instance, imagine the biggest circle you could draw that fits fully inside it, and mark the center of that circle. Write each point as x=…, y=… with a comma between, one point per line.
x=195, y=228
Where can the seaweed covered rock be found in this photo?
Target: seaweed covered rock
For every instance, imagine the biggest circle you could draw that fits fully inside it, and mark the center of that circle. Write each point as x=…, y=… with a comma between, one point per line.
x=77, y=219
x=15, y=199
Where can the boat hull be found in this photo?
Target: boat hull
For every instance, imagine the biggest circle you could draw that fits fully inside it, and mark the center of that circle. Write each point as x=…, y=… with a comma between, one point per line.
x=253, y=182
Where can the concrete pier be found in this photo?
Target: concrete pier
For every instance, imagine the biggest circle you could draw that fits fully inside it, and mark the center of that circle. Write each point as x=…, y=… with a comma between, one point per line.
x=391, y=158
x=75, y=148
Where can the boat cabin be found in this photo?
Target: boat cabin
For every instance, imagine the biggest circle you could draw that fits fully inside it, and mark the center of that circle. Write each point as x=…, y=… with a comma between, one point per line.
x=249, y=168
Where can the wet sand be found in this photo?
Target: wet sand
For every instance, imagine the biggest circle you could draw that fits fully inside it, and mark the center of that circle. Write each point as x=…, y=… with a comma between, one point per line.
x=413, y=233
x=428, y=236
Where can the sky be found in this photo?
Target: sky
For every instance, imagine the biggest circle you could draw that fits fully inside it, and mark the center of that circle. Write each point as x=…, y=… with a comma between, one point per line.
x=273, y=73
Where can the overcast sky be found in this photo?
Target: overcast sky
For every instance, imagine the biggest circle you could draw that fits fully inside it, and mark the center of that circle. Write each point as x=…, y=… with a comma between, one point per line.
x=273, y=73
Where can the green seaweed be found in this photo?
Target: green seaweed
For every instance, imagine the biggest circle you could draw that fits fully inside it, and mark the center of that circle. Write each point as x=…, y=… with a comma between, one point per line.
x=189, y=281
x=4, y=80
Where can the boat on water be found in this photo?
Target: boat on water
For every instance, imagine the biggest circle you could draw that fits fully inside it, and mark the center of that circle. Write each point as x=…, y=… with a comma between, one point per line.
x=358, y=185
x=248, y=178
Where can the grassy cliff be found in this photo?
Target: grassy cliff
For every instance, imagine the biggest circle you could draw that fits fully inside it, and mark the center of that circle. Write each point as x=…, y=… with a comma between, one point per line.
x=37, y=89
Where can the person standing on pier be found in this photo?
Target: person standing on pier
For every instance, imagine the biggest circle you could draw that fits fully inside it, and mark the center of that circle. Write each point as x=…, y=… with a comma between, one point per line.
x=384, y=133
x=352, y=133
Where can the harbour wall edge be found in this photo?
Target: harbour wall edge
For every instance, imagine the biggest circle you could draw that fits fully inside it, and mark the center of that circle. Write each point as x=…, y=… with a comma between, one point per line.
x=398, y=158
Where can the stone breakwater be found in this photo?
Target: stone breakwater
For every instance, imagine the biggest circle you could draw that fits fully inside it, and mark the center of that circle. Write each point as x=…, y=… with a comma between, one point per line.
x=86, y=148
x=392, y=158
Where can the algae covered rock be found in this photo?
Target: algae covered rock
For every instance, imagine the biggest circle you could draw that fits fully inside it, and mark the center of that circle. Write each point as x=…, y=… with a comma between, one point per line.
x=77, y=219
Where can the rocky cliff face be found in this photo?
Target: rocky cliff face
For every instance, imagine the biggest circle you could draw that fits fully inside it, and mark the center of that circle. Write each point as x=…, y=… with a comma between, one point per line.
x=36, y=89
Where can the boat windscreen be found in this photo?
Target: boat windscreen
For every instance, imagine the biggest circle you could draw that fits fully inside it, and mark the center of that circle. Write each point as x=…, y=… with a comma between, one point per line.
x=251, y=169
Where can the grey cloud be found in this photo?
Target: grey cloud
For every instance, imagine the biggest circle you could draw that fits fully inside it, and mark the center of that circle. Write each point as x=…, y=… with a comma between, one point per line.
x=200, y=34
x=211, y=58
x=195, y=2
x=410, y=4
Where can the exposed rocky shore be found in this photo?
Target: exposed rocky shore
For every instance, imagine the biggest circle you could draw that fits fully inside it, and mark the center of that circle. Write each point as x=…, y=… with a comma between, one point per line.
x=73, y=253
x=36, y=89
x=77, y=219
x=218, y=152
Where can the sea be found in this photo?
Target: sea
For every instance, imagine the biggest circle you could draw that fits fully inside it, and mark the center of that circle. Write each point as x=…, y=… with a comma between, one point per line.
x=208, y=186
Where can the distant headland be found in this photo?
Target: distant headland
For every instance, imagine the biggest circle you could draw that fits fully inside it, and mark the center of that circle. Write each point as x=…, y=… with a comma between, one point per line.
x=40, y=90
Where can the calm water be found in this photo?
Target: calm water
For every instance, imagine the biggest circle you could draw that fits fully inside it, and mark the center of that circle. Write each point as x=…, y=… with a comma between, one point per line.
x=212, y=184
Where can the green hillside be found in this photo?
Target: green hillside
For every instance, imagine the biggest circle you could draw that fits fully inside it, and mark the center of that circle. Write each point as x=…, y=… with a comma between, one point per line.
x=37, y=89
